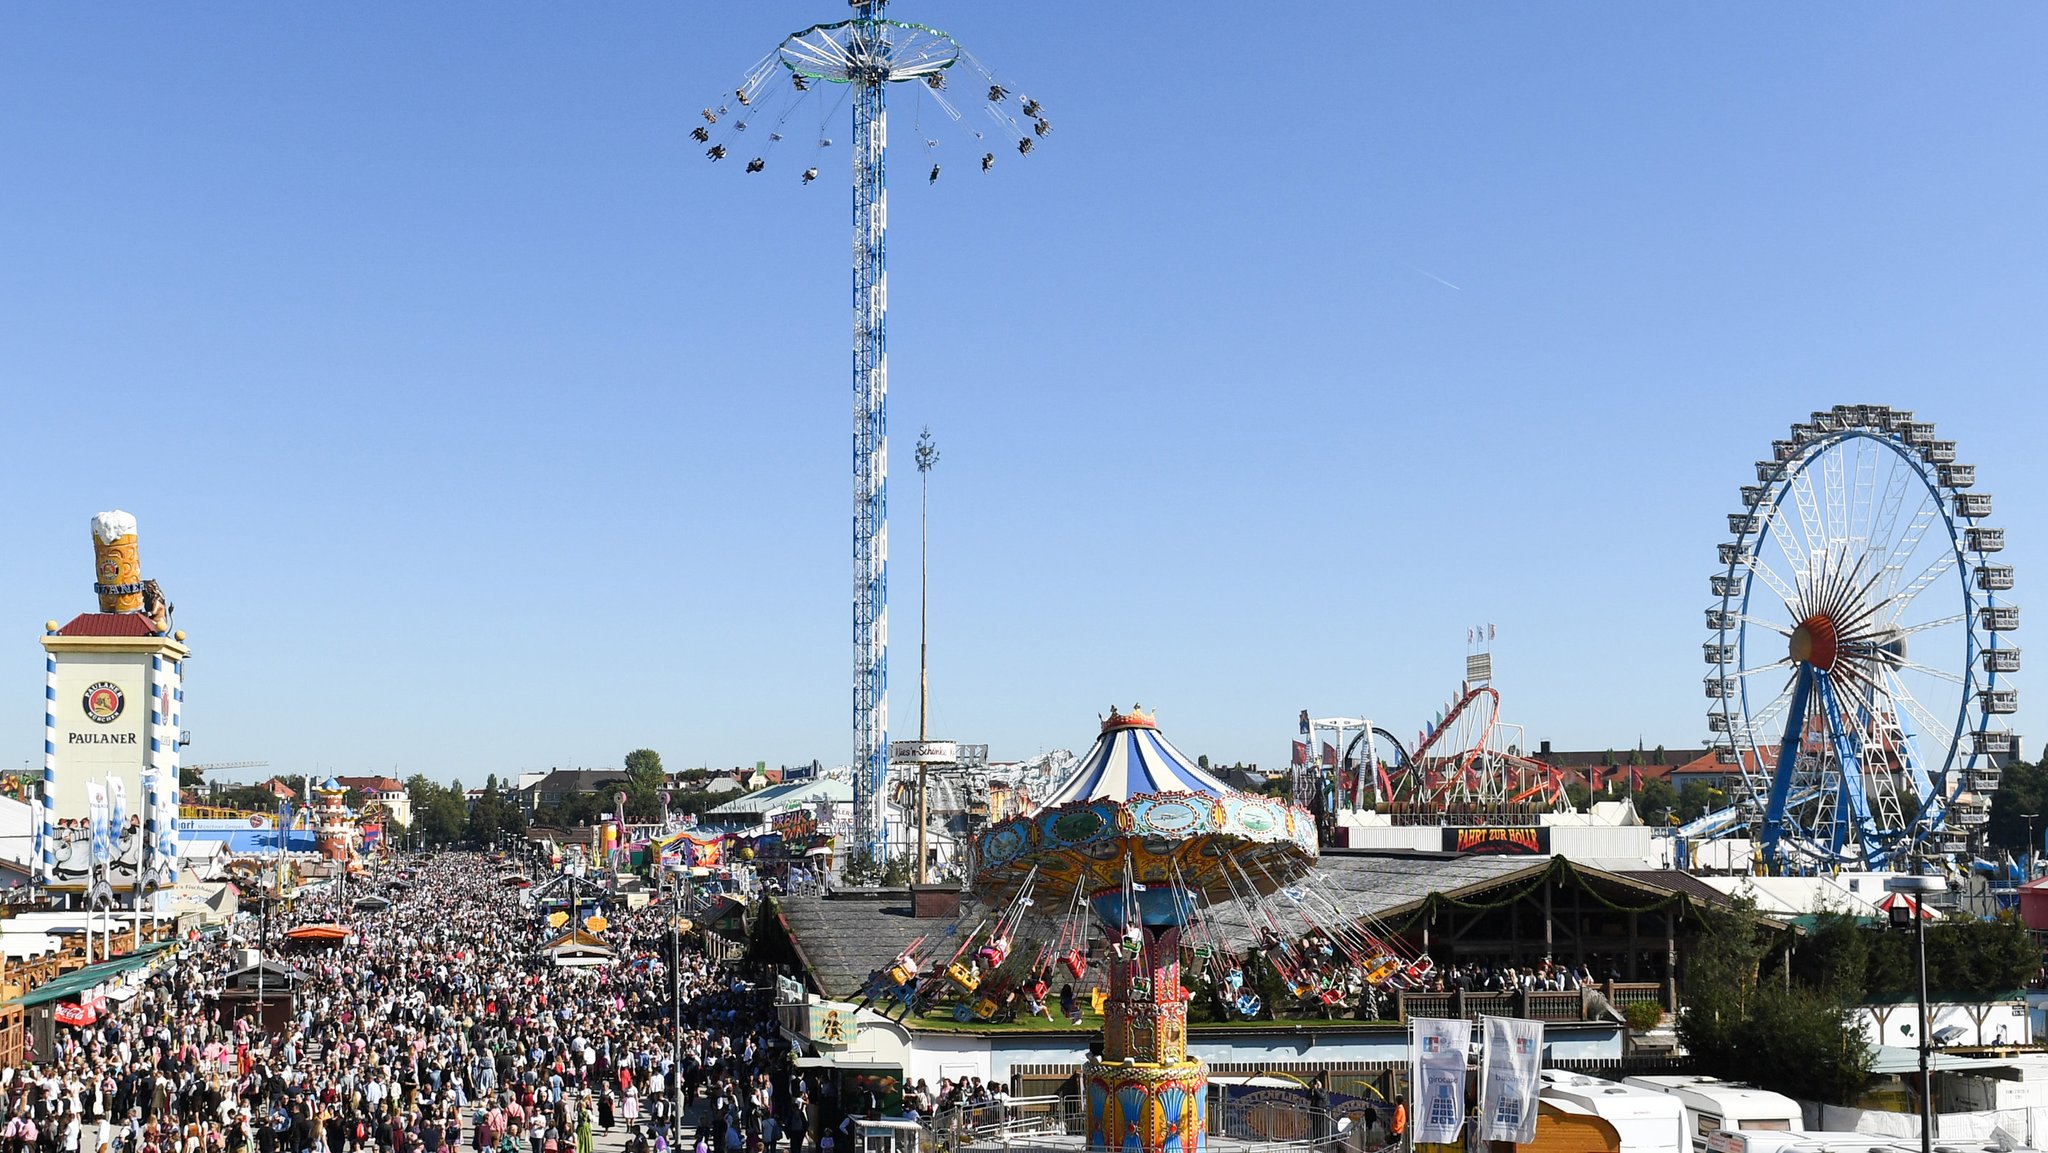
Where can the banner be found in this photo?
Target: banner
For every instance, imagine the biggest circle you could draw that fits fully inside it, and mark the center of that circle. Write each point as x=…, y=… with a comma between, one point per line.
x=1436, y=1077
x=96, y=817
x=1508, y=1069
x=1508, y=841
x=117, y=801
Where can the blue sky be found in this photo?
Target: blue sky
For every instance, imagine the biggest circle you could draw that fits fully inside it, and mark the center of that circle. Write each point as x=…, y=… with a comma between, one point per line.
x=476, y=423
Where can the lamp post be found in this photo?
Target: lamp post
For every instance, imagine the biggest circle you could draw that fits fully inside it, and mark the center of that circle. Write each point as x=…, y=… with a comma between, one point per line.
x=927, y=456
x=2028, y=860
x=1916, y=888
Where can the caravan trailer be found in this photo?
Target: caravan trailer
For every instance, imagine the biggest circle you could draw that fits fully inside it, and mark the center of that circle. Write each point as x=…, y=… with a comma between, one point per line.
x=1771, y=1141
x=1646, y=1121
x=1712, y=1104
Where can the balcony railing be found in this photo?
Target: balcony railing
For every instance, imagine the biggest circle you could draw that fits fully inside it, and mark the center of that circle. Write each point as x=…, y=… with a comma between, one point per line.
x=1532, y=1004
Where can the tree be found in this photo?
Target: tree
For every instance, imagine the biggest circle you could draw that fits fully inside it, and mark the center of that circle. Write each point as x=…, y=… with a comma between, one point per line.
x=437, y=810
x=191, y=777
x=1657, y=801
x=644, y=783
x=1720, y=979
x=486, y=816
x=1796, y=1040
x=1697, y=799
x=2021, y=790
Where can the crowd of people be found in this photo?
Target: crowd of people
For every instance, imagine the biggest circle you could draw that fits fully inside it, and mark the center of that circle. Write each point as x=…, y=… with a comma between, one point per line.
x=437, y=1026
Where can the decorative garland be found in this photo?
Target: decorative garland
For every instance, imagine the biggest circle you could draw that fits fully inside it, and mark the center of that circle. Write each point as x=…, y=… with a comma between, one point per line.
x=1559, y=870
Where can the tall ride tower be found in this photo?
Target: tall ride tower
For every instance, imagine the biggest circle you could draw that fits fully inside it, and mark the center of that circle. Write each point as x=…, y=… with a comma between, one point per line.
x=868, y=53
x=869, y=69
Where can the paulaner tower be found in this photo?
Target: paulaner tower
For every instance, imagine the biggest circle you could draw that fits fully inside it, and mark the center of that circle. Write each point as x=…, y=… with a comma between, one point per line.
x=113, y=703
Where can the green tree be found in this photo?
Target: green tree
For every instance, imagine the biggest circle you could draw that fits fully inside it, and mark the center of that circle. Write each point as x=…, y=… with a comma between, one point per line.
x=1798, y=1040
x=2021, y=790
x=644, y=782
x=438, y=814
x=1697, y=799
x=1835, y=957
x=1720, y=980
x=1792, y=1040
x=486, y=815
x=191, y=777
x=1657, y=801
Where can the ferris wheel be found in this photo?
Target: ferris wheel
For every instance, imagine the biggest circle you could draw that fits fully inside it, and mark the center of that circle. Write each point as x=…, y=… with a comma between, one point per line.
x=1861, y=646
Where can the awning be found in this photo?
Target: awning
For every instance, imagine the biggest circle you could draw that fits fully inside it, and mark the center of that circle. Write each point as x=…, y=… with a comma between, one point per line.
x=70, y=985
x=1895, y=1060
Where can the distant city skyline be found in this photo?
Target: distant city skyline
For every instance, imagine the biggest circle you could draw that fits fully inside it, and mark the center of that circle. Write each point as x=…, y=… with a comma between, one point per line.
x=475, y=424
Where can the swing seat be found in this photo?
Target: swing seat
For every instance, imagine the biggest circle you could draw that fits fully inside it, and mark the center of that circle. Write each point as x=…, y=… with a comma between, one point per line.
x=962, y=976
x=1420, y=969
x=1076, y=963
x=1248, y=1004
x=899, y=974
x=1332, y=997
x=986, y=1008
x=1380, y=968
x=1204, y=952
x=963, y=1013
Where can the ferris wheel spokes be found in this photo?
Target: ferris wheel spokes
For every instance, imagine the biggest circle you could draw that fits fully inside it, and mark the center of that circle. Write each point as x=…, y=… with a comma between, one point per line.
x=1855, y=521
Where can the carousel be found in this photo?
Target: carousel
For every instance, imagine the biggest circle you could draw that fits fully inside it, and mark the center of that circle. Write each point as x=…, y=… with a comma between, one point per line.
x=1144, y=839
x=1145, y=867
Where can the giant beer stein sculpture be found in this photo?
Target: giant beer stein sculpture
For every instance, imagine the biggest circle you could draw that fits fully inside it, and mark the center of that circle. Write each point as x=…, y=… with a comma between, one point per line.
x=117, y=569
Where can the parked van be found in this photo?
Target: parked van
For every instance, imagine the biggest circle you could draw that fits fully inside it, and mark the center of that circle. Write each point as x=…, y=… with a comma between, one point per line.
x=1712, y=1104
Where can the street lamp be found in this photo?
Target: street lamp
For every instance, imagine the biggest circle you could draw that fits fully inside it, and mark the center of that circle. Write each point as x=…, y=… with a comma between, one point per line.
x=2029, y=858
x=1916, y=888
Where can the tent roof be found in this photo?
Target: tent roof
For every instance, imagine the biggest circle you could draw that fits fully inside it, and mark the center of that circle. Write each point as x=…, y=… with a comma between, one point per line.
x=1133, y=758
x=580, y=941
x=79, y=980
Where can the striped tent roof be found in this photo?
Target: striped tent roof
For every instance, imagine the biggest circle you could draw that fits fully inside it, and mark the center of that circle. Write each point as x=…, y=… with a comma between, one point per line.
x=1132, y=758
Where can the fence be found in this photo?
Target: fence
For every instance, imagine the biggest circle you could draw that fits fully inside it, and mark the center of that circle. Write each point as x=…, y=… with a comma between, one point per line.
x=1034, y=1124
x=1534, y=1004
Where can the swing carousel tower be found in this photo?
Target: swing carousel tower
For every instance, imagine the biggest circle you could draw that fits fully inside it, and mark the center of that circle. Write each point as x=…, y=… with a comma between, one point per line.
x=1148, y=839
x=862, y=58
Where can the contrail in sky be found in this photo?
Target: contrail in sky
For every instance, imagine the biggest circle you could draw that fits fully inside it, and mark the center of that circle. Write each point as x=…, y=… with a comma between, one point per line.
x=1435, y=277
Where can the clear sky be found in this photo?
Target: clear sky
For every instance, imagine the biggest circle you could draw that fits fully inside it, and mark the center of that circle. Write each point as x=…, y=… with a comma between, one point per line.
x=476, y=422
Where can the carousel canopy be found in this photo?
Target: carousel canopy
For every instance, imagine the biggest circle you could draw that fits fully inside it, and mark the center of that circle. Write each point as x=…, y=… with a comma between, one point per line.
x=1132, y=759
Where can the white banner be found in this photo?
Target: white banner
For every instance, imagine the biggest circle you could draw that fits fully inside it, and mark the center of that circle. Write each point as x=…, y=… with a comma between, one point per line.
x=1436, y=1077
x=1508, y=1070
x=117, y=801
x=96, y=819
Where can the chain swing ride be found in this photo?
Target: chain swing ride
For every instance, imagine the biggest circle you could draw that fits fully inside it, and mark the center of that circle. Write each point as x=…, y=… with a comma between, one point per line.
x=858, y=60
x=1140, y=863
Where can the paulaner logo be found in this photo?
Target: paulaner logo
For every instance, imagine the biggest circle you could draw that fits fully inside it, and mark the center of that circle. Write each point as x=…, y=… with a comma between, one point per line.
x=103, y=702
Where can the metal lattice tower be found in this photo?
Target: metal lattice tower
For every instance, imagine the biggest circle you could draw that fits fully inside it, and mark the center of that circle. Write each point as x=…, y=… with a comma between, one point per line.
x=866, y=54
x=869, y=73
